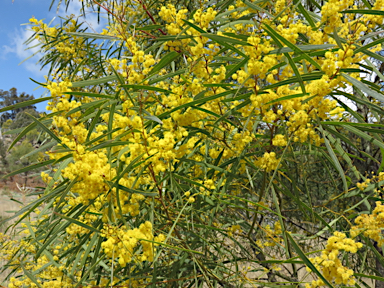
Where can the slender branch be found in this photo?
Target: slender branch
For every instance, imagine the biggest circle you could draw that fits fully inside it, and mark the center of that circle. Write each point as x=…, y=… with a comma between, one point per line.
x=150, y=16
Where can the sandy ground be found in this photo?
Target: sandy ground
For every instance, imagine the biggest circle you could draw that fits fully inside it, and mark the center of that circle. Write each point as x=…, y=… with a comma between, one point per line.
x=8, y=207
x=9, y=191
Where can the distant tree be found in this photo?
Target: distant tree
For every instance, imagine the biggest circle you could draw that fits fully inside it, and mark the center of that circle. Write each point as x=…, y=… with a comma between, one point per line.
x=3, y=154
x=22, y=118
x=6, y=125
x=14, y=119
x=16, y=161
x=11, y=97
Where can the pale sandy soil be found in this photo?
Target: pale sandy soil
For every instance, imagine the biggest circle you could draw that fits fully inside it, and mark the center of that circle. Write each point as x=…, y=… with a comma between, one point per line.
x=8, y=206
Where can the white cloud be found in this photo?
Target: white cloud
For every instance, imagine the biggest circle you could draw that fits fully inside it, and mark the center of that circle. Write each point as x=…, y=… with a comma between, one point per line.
x=16, y=46
x=5, y=50
x=21, y=37
x=17, y=39
x=90, y=19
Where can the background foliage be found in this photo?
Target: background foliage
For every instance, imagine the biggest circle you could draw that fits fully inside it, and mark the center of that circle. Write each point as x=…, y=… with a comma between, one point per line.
x=207, y=143
x=12, y=122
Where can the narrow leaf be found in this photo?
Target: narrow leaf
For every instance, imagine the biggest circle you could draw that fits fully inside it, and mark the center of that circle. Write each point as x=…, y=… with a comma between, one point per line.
x=92, y=82
x=165, y=61
x=24, y=104
x=307, y=261
x=92, y=35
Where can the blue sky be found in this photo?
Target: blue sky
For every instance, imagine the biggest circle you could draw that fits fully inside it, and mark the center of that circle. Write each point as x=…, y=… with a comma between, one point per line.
x=12, y=36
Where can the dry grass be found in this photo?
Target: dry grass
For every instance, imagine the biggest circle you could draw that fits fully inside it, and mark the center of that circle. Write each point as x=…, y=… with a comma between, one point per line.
x=8, y=207
x=9, y=191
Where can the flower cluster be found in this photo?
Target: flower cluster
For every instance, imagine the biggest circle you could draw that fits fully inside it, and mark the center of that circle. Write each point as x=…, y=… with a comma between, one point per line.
x=268, y=162
x=234, y=229
x=70, y=48
x=330, y=265
x=371, y=225
x=121, y=243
